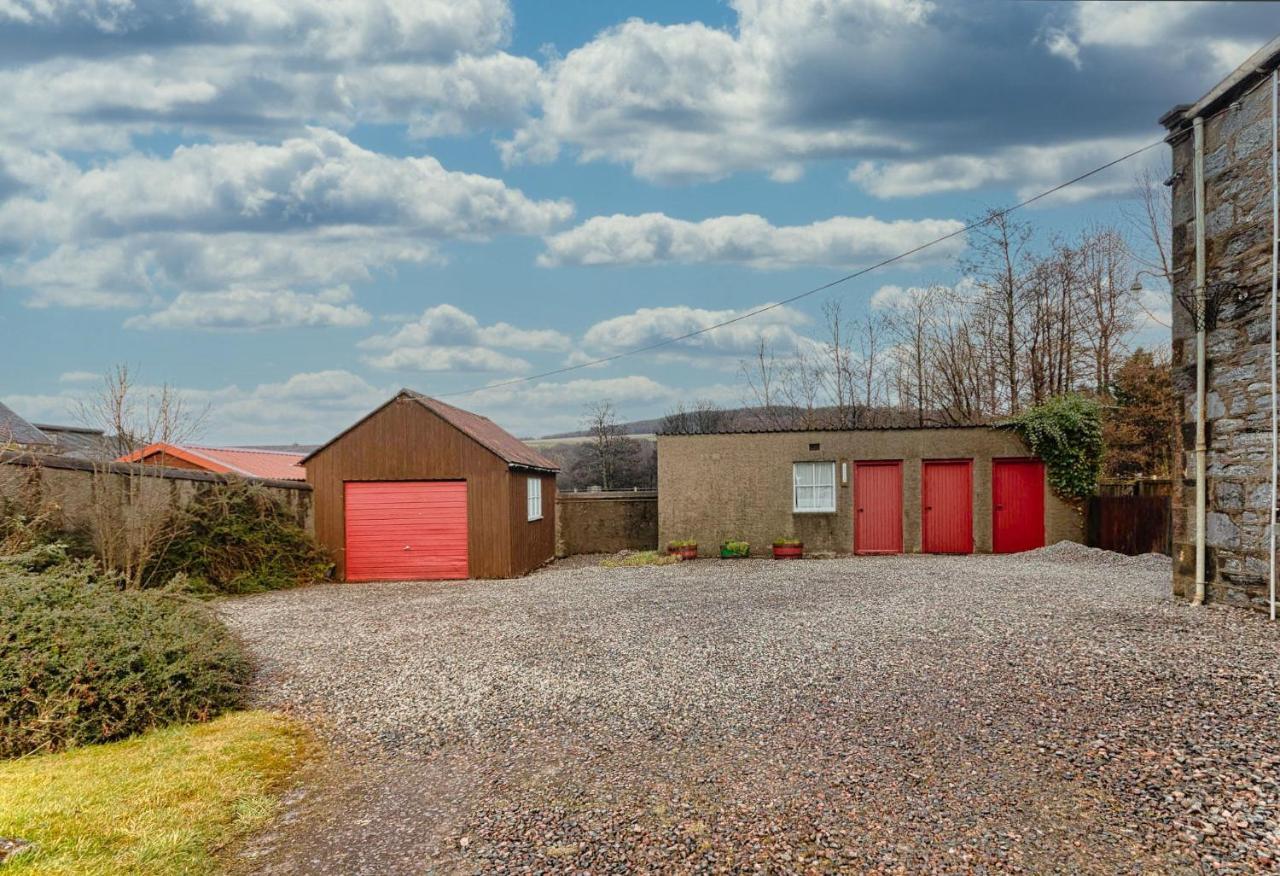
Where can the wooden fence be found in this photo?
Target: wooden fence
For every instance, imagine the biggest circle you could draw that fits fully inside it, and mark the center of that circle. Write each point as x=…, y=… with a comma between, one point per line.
x=1131, y=524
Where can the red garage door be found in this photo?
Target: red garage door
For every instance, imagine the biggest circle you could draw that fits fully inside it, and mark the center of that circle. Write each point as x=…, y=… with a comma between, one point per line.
x=947, y=494
x=1017, y=505
x=878, y=520
x=406, y=530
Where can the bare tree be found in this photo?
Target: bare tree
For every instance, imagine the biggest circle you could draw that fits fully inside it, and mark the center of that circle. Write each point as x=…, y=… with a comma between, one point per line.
x=958, y=361
x=609, y=448
x=912, y=323
x=1106, y=300
x=763, y=375
x=130, y=517
x=871, y=331
x=835, y=374
x=702, y=417
x=999, y=251
x=801, y=387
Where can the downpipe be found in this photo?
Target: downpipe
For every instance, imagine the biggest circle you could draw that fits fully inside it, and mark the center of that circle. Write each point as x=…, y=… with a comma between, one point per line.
x=1200, y=449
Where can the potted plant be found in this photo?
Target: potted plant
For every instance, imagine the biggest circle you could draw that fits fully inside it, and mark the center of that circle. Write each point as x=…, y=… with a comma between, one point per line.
x=685, y=550
x=733, y=550
x=788, y=549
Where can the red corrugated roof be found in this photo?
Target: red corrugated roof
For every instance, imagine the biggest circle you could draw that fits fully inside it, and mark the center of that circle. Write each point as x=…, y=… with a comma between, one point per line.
x=271, y=464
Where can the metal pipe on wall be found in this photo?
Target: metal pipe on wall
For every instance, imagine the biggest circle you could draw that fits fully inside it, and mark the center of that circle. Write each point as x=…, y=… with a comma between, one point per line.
x=1200, y=450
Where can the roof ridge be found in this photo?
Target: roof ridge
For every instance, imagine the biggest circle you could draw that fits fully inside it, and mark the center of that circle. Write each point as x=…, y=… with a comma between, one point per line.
x=235, y=449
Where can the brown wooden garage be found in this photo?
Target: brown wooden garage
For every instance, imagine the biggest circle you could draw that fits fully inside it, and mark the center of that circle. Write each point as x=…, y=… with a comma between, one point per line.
x=422, y=490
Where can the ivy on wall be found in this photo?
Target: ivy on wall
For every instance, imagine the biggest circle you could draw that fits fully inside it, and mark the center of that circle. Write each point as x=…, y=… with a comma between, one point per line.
x=1066, y=432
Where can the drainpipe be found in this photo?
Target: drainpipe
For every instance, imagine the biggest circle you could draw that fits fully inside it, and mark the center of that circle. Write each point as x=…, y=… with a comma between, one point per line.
x=1198, y=129
x=1275, y=254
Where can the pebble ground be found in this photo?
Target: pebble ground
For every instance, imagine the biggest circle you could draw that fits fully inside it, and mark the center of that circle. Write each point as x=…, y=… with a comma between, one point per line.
x=1045, y=712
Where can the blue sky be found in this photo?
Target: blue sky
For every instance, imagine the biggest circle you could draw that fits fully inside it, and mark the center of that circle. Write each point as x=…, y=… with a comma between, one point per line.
x=290, y=208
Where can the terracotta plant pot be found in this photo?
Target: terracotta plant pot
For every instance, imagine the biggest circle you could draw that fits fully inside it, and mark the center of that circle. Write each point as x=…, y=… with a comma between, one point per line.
x=684, y=553
x=788, y=551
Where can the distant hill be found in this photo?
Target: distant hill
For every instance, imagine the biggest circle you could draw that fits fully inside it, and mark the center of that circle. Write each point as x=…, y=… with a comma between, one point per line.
x=745, y=418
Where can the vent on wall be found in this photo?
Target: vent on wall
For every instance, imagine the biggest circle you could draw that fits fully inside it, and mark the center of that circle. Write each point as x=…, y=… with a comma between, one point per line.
x=815, y=446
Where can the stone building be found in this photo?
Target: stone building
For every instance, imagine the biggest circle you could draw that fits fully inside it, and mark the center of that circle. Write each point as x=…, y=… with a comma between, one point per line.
x=1238, y=143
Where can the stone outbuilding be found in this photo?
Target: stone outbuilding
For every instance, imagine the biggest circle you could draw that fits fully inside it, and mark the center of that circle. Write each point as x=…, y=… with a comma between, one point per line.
x=1238, y=143
x=958, y=489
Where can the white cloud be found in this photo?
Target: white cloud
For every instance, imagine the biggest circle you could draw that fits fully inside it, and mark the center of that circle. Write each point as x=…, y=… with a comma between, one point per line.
x=447, y=338
x=688, y=101
x=779, y=327
x=1030, y=169
x=78, y=377
x=300, y=216
x=441, y=359
x=321, y=179
x=254, y=309
x=748, y=239
x=1060, y=43
x=92, y=74
x=633, y=389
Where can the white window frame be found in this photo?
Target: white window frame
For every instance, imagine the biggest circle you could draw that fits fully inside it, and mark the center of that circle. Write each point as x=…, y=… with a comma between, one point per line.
x=533, y=498
x=822, y=475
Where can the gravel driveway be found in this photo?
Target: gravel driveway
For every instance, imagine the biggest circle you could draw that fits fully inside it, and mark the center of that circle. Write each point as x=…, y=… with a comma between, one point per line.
x=1047, y=712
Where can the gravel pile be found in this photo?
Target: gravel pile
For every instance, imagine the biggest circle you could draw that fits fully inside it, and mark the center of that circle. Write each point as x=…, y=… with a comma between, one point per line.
x=1050, y=711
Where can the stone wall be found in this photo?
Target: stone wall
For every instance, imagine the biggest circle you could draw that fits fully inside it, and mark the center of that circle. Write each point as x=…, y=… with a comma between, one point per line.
x=739, y=486
x=69, y=487
x=597, y=523
x=1237, y=143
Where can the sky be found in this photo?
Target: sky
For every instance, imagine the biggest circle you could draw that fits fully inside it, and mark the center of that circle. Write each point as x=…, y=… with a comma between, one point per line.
x=289, y=209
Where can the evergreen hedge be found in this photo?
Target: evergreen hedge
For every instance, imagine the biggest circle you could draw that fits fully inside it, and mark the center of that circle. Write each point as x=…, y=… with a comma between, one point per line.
x=84, y=661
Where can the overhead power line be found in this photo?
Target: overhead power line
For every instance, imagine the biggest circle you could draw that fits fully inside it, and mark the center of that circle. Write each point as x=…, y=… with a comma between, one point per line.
x=765, y=308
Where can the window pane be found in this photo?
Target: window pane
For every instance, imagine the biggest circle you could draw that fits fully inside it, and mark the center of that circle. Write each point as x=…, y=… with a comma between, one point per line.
x=825, y=498
x=825, y=473
x=804, y=474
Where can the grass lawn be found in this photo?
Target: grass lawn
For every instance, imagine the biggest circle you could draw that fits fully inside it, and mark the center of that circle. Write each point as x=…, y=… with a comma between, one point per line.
x=162, y=802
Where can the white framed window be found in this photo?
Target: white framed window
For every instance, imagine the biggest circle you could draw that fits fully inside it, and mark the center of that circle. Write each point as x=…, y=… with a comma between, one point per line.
x=815, y=486
x=533, y=498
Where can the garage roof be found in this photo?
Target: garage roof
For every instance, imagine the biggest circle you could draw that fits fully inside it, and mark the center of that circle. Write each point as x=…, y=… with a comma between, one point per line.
x=482, y=430
x=273, y=465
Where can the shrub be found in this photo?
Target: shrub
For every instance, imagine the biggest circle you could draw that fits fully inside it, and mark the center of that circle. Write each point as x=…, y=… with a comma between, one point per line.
x=237, y=538
x=83, y=661
x=787, y=542
x=686, y=543
x=1066, y=432
x=735, y=548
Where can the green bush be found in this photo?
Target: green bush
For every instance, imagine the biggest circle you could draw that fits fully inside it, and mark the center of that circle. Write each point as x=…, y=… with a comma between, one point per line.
x=237, y=538
x=734, y=549
x=84, y=661
x=1066, y=432
x=787, y=542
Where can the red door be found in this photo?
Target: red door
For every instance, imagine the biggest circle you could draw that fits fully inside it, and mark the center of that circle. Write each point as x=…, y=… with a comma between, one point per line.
x=406, y=530
x=877, y=527
x=946, y=492
x=1017, y=505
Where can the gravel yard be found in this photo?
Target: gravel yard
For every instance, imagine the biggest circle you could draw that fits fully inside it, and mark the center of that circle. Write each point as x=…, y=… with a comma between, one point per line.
x=1048, y=712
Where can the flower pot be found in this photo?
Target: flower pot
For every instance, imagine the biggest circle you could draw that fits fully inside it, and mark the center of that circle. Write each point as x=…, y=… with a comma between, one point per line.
x=788, y=551
x=684, y=553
